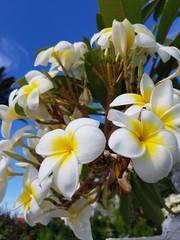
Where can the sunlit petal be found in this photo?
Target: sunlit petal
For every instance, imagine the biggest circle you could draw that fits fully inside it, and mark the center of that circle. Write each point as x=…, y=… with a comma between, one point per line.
x=146, y=87
x=126, y=143
x=162, y=98
x=32, y=74
x=145, y=41
x=33, y=99
x=89, y=145
x=127, y=98
x=155, y=164
x=66, y=176
x=43, y=57
x=172, y=116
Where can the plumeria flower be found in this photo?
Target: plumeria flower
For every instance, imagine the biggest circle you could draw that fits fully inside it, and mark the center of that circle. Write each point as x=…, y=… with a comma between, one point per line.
x=81, y=142
x=166, y=52
x=68, y=54
x=33, y=194
x=102, y=37
x=28, y=95
x=123, y=36
x=152, y=149
x=80, y=213
x=143, y=99
x=6, y=172
x=8, y=114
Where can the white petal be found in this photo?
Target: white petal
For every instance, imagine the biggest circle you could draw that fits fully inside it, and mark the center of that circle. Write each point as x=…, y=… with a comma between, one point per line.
x=155, y=164
x=146, y=87
x=126, y=143
x=90, y=142
x=134, y=110
x=3, y=186
x=80, y=122
x=176, y=96
x=52, y=143
x=66, y=176
x=162, y=98
x=172, y=51
x=34, y=207
x=140, y=28
x=47, y=166
x=41, y=191
x=11, y=97
x=3, y=165
x=127, y=98
x=82, y=230
x=33, y=99
x=4, y=112
x=119, y=37
x=131, y=123
x=172, y=116
x=54, y=214
x=5, y=129
x=151, y=123
x=43, y=83
x=32, y=74
x=43, y=57
x=145, y=41
x=103, y=40
x=94, y=38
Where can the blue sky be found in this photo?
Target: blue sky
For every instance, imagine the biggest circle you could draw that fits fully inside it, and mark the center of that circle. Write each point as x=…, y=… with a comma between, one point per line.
x=26, y=26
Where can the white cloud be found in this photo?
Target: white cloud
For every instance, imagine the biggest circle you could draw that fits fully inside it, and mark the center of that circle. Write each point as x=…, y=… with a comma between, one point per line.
x=11, y=53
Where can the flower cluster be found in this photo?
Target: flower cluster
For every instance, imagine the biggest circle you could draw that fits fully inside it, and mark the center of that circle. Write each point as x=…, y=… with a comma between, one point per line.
x=69, y=157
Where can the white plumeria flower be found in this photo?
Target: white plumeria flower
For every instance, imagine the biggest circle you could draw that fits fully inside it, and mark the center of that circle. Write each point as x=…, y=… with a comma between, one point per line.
x=28, y=95
x=6, y=172
x=5, y=145
x=152, y=149
x=103, y=38
x=67, y=53
x=80, y=213
x=123, y=36
x=8, y=114
x=33, y=194
x=81, y=142
x=143, y=99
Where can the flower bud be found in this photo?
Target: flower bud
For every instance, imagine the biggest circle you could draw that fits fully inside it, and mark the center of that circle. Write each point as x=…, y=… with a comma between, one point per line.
x=85, y=97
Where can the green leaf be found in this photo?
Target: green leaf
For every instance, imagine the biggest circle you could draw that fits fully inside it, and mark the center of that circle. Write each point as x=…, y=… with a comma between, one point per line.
x=158, y=9
x=146, y=12
x=169, y=13
x=143, y=2
x=99, y=22
x=85, y=171
x=19, y=110
x=125, y=202
x=96, y=84
x=86, y=41
x=147, y=199
x=21, y=82
x=119, y=10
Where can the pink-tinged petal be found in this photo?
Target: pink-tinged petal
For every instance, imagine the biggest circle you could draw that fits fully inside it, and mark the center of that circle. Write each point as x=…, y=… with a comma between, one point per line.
x=52, y=143
x=5, y=129
x=162, y=98
x=43, y=84
x=151, y=123
x=3, y=187
x=66, y=176
x=33, y=99
x=126, y=99
x=126, y=143
x=48, y=166
x=32, y=74
x=43, y=57
x=146, y=87
x=80, y=122
x=89, y=142
x=129, y=122
x=155, y=164
x=145, y=41
x=172, y=116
